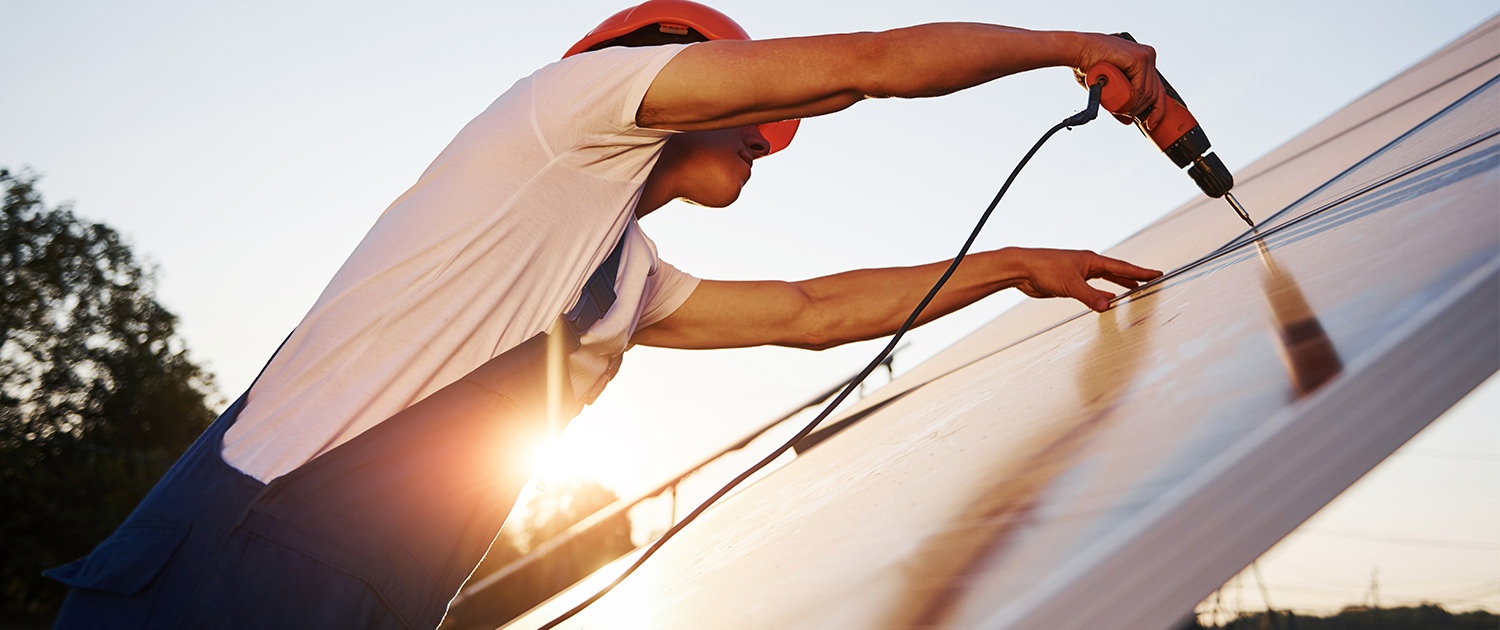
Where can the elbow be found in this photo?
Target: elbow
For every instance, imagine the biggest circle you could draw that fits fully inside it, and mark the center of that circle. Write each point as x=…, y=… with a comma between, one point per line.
x=813, y=326
x=875, y=67
x=891, y=66
x=814, y=341
x=822, y=329
x=884, y=68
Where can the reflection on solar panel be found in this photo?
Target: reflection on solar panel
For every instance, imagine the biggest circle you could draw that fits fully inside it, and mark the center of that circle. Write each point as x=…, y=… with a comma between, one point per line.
x=1065, y=469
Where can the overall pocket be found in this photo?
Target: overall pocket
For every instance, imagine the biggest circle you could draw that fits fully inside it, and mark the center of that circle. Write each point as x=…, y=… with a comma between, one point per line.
x=127, y=562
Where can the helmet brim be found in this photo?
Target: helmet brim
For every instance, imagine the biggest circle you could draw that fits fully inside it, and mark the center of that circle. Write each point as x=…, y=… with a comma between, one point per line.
x=779, y=134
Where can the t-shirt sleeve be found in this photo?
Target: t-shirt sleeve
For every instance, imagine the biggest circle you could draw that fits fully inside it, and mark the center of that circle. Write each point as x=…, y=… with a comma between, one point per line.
x=586, y=104
x=666, y=290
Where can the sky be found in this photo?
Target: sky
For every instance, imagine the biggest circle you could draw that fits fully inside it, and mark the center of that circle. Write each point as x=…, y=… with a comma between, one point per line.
x=245, y=147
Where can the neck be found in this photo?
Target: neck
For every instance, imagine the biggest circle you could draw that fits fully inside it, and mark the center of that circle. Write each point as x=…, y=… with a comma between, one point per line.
x=649, y=203
x=655, y=193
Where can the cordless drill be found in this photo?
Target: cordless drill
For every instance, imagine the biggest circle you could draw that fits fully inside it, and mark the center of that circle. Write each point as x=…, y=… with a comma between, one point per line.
x=1178, y=134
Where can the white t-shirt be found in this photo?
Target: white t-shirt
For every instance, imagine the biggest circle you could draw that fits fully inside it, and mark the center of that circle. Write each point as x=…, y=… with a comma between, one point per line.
x=491, y=244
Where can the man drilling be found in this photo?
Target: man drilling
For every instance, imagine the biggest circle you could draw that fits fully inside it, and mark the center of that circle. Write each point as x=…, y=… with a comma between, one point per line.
x=355, y=485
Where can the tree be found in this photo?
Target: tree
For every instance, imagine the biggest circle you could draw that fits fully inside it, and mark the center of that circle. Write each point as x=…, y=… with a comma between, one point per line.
x=97, y=393
x=1425, y=616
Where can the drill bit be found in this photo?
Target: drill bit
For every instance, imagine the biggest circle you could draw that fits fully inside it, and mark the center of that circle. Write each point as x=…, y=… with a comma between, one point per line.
x=1235, y=203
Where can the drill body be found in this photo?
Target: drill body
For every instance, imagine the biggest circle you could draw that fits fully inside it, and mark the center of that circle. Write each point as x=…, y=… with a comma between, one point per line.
x=1178, y=135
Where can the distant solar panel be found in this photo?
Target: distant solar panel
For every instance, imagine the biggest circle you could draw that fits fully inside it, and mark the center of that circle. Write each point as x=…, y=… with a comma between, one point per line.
x=1065, y=469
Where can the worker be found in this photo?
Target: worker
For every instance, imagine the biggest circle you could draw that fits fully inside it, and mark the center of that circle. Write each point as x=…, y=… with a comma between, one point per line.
x=361, y=478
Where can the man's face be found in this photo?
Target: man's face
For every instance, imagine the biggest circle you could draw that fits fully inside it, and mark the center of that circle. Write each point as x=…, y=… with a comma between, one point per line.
x=710, y=167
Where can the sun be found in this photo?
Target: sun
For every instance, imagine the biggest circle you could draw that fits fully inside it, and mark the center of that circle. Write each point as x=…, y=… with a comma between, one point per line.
x=600, y=446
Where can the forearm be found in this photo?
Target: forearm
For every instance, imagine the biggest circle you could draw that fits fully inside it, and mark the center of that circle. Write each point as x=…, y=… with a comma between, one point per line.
x=871, y=303
x=868, y=303
x=938, y=59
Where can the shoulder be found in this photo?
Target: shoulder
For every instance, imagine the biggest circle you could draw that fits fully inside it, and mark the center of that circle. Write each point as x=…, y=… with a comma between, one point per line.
x=609, y=66
x=591, y=100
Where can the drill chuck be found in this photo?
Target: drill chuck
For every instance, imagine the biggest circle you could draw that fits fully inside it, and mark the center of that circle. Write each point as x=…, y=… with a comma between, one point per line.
x=1211, y=175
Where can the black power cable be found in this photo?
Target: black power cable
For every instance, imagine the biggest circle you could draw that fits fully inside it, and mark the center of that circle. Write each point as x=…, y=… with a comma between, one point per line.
x=1088, y=114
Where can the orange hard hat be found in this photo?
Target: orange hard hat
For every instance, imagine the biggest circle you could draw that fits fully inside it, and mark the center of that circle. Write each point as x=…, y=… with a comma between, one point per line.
x=677, y=16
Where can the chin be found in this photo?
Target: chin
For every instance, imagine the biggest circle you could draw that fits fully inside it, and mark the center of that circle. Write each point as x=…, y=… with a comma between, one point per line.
x=714, y=201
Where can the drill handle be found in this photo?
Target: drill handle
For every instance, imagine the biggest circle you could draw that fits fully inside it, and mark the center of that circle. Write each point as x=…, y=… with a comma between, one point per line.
x=1178, y=134
x=1171, y=92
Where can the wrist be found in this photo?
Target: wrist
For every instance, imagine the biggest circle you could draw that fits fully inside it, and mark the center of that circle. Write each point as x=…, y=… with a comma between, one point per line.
x=1007, y=267
x=1072, y=49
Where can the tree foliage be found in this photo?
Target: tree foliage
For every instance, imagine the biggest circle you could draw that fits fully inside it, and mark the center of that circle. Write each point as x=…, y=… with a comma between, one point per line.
x=1421, y=617
x=97, y=394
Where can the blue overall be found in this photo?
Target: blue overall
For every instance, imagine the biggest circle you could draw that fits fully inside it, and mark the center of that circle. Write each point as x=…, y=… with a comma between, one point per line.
x=379, y=532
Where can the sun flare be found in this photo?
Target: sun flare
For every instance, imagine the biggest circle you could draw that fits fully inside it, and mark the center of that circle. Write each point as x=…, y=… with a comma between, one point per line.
x=595, y=447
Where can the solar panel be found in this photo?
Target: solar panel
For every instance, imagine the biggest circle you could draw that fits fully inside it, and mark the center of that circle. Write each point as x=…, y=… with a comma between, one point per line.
x=1059, y=468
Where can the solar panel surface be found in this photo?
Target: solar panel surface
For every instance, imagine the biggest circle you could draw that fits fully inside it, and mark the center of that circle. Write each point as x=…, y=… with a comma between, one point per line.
x=1066, y=469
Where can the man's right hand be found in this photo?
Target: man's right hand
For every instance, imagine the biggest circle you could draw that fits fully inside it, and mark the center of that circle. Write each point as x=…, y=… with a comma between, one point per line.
x=1138, y=62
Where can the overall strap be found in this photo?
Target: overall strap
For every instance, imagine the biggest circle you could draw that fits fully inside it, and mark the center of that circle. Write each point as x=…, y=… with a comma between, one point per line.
x=598, y=293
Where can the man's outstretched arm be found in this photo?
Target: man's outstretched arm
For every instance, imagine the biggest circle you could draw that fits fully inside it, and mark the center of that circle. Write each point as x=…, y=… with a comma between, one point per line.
x=869, y=303
x=722, y=84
